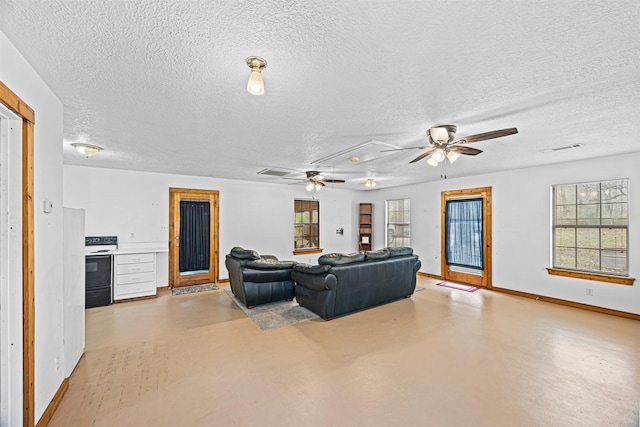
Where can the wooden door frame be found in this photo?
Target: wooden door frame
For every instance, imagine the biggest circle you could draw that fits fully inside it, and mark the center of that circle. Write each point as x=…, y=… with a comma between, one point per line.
x=174, y=229
x=13, y=102
x=485, y=193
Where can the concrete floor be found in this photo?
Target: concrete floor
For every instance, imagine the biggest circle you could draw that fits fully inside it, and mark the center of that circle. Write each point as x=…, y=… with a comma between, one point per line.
x=442, y=358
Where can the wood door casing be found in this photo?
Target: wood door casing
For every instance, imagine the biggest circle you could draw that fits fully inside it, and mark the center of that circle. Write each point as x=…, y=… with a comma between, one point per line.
x=13, y=102
x=486, y=279
x=175, y=195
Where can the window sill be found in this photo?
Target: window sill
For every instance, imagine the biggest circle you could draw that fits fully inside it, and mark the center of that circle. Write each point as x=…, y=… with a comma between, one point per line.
x=307, y=251
x=592, y=276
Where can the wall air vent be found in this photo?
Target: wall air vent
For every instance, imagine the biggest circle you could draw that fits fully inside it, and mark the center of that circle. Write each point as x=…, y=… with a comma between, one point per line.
x=274, y=172
x=567, y=147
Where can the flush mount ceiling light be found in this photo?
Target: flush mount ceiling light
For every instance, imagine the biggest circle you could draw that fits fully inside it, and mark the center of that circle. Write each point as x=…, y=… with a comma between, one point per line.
x=370, y=183
x=255, y=86
x=86, y=149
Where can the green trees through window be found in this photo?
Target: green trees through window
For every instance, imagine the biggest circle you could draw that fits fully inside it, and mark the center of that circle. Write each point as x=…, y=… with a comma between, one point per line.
x=590, y=226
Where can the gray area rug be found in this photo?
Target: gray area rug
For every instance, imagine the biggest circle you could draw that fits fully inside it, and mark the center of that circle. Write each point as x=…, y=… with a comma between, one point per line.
x=194, y=288
x=275, y=314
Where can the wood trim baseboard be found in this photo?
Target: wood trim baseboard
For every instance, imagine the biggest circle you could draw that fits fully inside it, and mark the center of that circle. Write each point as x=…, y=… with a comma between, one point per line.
x=118, y=301
x=431, y=276
x=223, y=281
x=569, y=303
x=53, y=405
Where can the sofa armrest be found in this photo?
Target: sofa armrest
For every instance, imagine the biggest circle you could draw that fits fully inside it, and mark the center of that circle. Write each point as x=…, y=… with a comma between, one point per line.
x=315, y=282
x=269, y=257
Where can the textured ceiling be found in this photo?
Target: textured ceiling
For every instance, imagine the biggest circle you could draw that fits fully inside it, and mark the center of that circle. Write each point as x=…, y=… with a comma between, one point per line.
x=161, y=84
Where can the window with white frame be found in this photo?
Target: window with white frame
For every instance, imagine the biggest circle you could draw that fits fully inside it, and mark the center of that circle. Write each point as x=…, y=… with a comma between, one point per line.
x=398, y=223
x=590, y=227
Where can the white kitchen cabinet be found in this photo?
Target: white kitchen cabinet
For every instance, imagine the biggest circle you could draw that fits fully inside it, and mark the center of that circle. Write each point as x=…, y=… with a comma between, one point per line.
x=134, y=275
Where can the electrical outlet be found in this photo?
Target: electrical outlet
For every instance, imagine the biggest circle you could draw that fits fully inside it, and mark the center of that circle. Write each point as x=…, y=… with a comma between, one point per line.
x=590, y=292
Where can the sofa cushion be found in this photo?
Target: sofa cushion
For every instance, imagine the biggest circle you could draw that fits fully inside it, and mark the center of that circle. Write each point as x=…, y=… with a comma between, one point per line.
x=379, y=254
x=269, y=264
x=241, y=253
x=341, y=259
x=311, y=268
x=400, y=251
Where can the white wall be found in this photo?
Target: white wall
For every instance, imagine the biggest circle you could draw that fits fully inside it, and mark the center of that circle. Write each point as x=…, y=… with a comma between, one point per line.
x=521, y=227
x=258, y=216
x=22, y=79
x=73, y=276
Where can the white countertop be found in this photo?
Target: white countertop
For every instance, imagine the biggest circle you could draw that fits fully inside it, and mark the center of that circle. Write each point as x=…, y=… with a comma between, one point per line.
x=141, y=250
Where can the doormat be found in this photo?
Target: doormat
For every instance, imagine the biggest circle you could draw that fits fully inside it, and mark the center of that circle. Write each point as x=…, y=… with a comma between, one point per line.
x=275, y=315
x=193, y=288
x=458, y=286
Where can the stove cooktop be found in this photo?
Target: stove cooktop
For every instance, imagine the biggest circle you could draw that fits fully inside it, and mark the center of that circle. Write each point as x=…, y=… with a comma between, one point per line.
x=100, y=245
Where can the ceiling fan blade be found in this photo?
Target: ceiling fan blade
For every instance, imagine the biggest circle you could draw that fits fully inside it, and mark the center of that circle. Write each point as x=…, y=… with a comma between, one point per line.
x=406, y=148
x=338, y=181
x=470, y=151
x=422, y=156
x=485, y=136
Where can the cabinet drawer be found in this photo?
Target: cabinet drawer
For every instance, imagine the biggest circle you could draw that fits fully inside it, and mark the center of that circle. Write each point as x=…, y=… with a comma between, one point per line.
x=127, y=291
x=142, y=267
x=135, y=258
x=122, y=279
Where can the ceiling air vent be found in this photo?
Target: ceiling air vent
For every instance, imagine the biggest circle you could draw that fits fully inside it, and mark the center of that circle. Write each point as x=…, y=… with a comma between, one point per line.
x=273, y=172
x=567, y=147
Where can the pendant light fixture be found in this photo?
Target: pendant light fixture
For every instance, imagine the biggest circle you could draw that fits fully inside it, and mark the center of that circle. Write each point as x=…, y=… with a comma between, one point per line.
x=370, y=183
x=255, y=85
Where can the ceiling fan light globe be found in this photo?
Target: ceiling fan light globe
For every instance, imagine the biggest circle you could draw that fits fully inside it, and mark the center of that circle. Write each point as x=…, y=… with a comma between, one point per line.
x=453, y=156
x=310, y=186
x=318, y=186
x=438, y=155
x=432, y=162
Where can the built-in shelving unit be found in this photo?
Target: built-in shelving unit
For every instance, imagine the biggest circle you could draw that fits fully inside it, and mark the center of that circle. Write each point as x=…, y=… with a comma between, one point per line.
x=365, y=214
